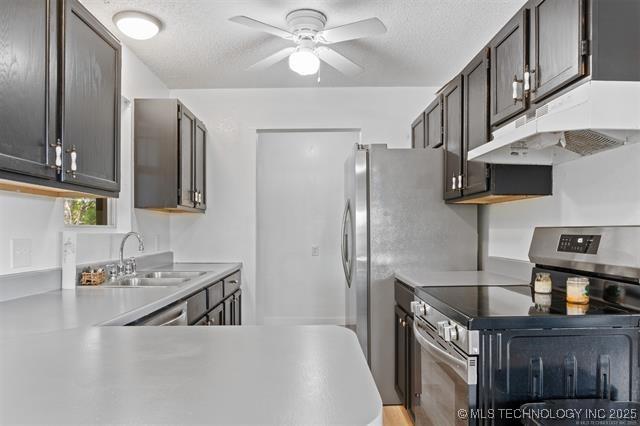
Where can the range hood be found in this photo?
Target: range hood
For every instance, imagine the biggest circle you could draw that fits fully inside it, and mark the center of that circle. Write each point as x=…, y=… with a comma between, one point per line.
x=593, y=117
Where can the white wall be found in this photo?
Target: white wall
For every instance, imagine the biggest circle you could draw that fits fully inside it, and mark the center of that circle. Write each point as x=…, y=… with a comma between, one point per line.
x=300, y=197
x=40, y=219
x=603, y=189
x=227, y=232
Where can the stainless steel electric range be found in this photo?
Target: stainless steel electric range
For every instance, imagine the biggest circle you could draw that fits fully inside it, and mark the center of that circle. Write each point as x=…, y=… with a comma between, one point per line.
x=487, y=350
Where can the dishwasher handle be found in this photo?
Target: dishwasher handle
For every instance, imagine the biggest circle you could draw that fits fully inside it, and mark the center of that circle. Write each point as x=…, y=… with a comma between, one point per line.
x=175, y=315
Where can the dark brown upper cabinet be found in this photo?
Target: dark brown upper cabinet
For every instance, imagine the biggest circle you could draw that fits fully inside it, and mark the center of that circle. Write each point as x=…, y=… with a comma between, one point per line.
x=186, y=186
x=200, y=159
x=559, y=45
x=418, y=139
x=170, y=156
x=433, y=123
x=90, y=127
x=452, y=106
x=60, y=103
x=509, y=61
x=28, y=87
x=475, y=81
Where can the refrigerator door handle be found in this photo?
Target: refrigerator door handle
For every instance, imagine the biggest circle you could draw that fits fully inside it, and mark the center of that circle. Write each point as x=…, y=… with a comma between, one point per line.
x=344, y=247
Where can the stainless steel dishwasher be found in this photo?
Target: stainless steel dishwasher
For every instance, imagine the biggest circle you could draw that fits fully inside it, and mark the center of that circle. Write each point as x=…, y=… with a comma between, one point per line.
x=173, y=315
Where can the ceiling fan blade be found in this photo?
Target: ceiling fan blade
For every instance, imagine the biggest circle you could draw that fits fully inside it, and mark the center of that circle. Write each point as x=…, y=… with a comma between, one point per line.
x=360, y=29
x=272, y=60
x=261, y=26
x=338, y=61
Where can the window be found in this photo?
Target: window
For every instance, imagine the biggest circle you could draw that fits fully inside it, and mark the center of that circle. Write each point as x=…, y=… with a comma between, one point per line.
x=86, y=211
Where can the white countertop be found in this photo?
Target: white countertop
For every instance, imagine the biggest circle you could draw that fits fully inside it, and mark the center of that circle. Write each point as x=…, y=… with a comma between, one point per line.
x=86, y=306
x=417, y=276
x=188, y=375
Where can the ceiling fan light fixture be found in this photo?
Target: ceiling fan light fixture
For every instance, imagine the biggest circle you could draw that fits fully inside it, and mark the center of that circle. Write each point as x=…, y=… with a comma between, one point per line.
x=137, y=25
x=304, y=61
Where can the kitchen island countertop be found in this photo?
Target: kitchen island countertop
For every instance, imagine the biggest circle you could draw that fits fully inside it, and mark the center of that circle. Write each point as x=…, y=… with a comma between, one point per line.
x=188, y=375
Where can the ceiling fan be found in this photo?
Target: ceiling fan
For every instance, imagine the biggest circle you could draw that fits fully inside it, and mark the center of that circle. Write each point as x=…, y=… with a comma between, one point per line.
x=306, y=28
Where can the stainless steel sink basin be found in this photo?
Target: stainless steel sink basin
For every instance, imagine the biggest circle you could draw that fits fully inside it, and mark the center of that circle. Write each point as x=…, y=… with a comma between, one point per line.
x=144, y=282
x=173, y=274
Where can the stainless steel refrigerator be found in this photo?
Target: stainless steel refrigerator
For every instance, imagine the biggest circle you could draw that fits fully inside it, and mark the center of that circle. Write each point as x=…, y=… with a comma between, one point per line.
x=395, y=216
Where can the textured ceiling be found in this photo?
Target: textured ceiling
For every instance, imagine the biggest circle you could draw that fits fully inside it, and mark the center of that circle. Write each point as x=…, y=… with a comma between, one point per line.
x=427, y=42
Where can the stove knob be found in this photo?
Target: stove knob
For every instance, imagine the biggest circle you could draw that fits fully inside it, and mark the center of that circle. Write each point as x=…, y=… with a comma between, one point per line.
x=441, y=325
x=419, y=308
x=450, y=333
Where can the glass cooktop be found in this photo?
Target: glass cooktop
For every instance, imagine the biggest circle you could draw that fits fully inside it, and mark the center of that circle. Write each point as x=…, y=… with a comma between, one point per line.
x=491, y=303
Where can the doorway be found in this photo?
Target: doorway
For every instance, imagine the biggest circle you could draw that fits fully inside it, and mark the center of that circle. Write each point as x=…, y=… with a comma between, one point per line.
x=300, y=197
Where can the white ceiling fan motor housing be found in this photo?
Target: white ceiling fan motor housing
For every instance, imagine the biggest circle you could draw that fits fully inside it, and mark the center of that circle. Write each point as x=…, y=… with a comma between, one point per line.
x=305, y=24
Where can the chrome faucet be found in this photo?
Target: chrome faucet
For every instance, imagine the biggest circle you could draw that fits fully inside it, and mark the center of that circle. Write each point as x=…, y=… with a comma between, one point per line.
x=124, y=268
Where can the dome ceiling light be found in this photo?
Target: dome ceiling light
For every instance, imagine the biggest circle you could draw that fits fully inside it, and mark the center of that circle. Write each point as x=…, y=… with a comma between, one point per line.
x=137, y=25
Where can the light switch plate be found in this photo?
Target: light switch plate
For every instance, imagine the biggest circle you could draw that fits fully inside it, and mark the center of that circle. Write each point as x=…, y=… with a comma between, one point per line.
x=20, y=252
x=315, y=251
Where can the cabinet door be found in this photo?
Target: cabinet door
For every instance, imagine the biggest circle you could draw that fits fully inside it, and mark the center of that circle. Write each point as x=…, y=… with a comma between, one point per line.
x=228, y=311
x=508, y=62
x=452, y=105
x=433, y=124
x=475, y=80
x=418, y=132
x=28, y=87
x=200, y=161
x=216, y=316
x=237, y=308
x=413, y=385
x=90, y=124
x=557, y=27
x=401, y=353
x=186, y=146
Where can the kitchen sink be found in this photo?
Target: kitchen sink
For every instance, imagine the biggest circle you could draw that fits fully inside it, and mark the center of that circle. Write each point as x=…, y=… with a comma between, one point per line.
x=173, y=274
x=144, y=282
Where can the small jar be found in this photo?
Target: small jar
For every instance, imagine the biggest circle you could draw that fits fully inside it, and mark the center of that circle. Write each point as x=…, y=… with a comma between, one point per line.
x=578, y=290
x=542, y=283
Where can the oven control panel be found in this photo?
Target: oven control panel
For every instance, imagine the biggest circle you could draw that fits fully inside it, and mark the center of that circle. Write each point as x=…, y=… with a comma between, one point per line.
x=583, y=244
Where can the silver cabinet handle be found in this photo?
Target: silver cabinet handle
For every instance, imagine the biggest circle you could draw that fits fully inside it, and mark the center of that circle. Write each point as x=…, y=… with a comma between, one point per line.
x=459, y=181
x=514, y=85
x=58, y=148
x=453, y=182
x=527, y=81
x=233, y=282
x=73, y=154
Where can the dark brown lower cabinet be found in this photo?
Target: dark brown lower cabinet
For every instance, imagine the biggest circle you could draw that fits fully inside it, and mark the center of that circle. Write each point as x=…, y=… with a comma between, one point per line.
x=216, y=315
x=406, y=363
x=237, y=308
x=228, y=311
x=400, y=367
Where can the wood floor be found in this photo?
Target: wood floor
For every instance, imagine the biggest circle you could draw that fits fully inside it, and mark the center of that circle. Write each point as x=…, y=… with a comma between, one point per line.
x=395, y=415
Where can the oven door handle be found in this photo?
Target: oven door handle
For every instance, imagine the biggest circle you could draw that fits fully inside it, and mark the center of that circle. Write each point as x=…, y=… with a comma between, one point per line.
x=458, y=365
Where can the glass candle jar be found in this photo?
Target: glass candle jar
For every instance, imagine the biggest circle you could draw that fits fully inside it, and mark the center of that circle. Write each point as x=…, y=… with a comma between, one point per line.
x=578, y=290
x=542, y=283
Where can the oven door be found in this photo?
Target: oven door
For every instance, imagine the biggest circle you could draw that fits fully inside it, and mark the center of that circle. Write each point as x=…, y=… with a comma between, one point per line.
x=446, y=380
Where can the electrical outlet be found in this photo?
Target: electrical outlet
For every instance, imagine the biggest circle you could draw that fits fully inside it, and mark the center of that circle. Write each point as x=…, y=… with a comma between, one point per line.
x=315, y=251
x=20, y=252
